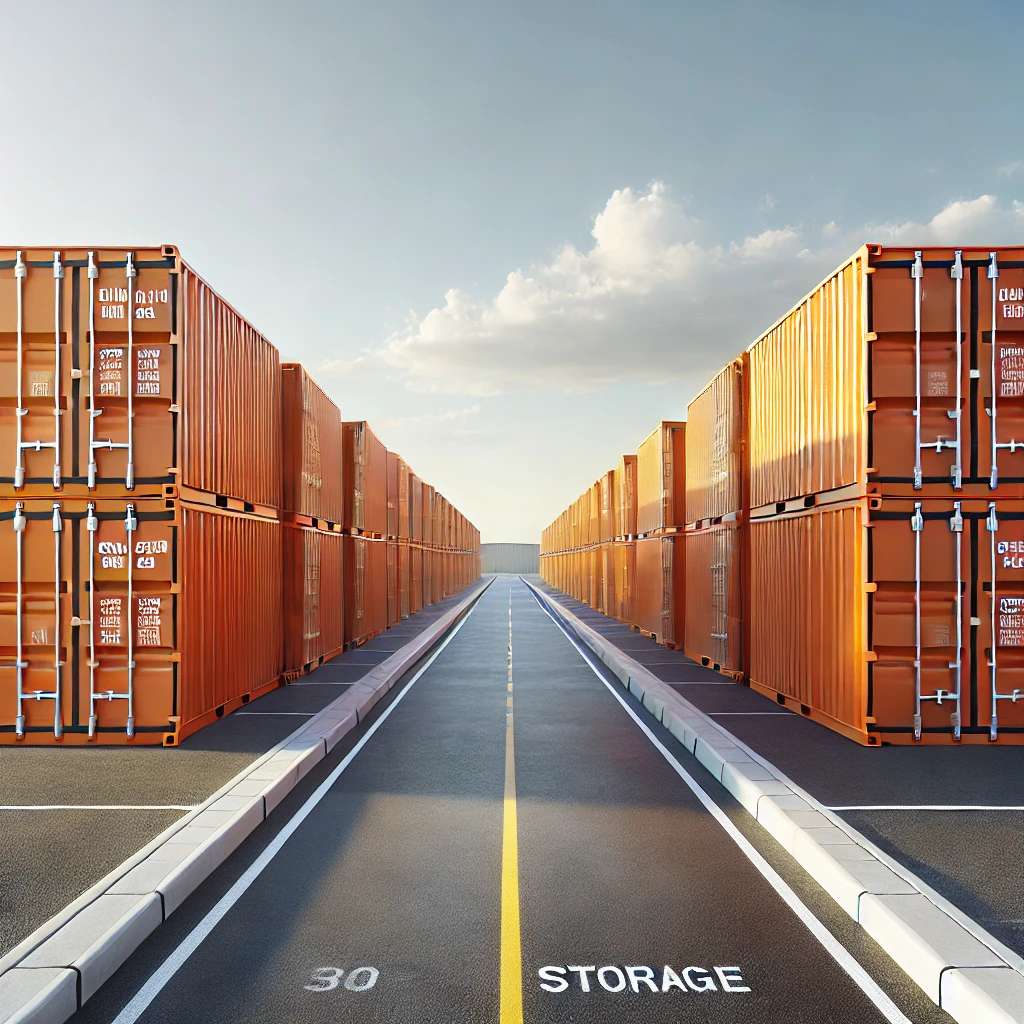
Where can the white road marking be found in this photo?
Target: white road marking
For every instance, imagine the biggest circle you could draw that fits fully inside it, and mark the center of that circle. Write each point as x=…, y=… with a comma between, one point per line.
x=98, y=807
x=831, y=944
x=928, y=807
x=163, y=974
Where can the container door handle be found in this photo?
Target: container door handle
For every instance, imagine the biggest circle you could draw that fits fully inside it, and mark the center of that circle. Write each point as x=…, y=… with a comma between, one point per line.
x=20, y=273
x=91, y=525
x=20, y=665
x=57, y=530
x=917, y=525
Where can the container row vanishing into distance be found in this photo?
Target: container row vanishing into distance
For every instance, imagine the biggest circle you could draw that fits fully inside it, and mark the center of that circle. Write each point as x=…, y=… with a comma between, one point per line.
x=854, y=539
x=187, y=522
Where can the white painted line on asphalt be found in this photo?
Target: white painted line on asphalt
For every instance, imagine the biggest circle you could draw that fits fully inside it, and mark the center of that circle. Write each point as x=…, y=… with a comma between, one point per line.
x=98, y=807
x=831, y=944
x=163, y=974
x=927, y=807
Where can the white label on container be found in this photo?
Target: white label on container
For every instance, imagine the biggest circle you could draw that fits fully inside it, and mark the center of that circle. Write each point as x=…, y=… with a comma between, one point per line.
x=1011, y=622
x=147, y=622
x=110, y=620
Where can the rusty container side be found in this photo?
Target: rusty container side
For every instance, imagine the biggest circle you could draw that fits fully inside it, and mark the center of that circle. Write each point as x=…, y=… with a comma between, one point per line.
x=366, y=588
x=365, y=480
x=394, y=612
x=312, y=441
x=661, y=479
x=230, y=421
x=625, y=497
x=314, y=621
x=715, y=597
x=377, y=582
x=715, y=445
x=415, y=508
x=404, y=579
x=404, y=502
x=393, y=461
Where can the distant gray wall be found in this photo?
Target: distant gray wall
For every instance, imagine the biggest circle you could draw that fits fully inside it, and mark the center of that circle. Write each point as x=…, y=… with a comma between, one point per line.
x=520, y=558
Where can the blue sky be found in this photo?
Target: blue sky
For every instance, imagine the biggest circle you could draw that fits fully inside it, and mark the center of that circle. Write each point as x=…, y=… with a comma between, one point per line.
x=662, y=180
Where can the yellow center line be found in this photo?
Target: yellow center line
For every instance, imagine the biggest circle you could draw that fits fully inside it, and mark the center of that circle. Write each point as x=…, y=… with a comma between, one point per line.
x=511, y=998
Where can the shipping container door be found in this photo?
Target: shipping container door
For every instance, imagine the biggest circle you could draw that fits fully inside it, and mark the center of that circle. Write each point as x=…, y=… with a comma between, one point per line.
x=394, y=613
x=35, y=621
x=404, y=580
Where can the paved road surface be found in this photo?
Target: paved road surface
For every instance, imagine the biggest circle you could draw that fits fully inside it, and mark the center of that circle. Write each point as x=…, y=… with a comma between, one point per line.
x=395, y=898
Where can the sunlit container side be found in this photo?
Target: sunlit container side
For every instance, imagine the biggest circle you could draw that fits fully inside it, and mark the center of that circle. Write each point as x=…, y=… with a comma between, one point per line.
x=428, y=516
x=365, y=480
x=609, y=593
x=877, y=617
x=123, y=371
x=607, y=489
x=716, y=443
x=134, y=622
x=404, y=506
x=880, y=381
x=715, y=599
x=661, y=479
x=314, y=586
x=393, y=461
x=366, y=589
x=311, y=428
x=625, y=498
x=625, y=582
x=660, y=588
x=404, y=580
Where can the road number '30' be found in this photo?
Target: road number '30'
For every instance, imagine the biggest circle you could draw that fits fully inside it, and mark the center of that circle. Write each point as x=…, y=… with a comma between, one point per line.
x=325, y=978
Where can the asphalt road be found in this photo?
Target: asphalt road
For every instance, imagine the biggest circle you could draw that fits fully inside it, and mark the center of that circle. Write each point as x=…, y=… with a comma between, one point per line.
x=387, y=902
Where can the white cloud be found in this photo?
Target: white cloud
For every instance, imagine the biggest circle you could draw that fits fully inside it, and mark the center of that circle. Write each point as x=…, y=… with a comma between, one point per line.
x=449, y=416
x=646, y=301
x=1010, y=169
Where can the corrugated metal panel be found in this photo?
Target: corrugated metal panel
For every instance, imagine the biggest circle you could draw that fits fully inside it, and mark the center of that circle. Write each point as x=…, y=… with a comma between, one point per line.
x=311, y=424
x=714, y=596
x=660, y=588
x=392, y=494
x=365, y=479
x=513, y=558
x=661, y=479
x=715, y=439
x=808, y=392
x=625, y=497
x=314, y=621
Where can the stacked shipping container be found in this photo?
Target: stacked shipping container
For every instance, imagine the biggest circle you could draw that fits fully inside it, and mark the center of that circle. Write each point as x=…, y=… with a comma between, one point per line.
x=177, y=508
x=855, y=502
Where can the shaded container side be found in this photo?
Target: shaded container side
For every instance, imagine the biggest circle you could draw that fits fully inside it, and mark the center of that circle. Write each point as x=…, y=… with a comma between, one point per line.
x=716, y=442
x=625, y=497
x=428, y=514
x=392, y=494
x=514, y=558
x=660, y=588
x=864, y=613
x=178, y=606
x=404, y=580
x=661, y=479
x=314, y=587
x=365, y=480
x=415, y=580
x=157, y=380
x=313, y=447
x=881, y=380
x=394, y=607
x=625, y=582
x=366, y=588
x=715, y=597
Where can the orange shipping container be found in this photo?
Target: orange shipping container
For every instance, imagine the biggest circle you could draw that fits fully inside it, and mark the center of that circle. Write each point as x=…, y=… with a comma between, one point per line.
x=715, y=597
x=415, y=580
x=660, y=588
x=163, y=616
x=126, y=371
x=716, y=445
x=404, y=580
x=404, y=508
x=874, y=615
x=625, y=497
x=311, y=425
x=365, y=480
x=392, y=494
x=394, y=612
x=881, y=380
x=366, y=589
x=661, y=479
x=415, y=508
x=314, y=621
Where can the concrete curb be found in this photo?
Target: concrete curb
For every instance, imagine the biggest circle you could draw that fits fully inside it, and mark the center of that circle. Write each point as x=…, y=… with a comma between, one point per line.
x=963, y=969
x=50, y=974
